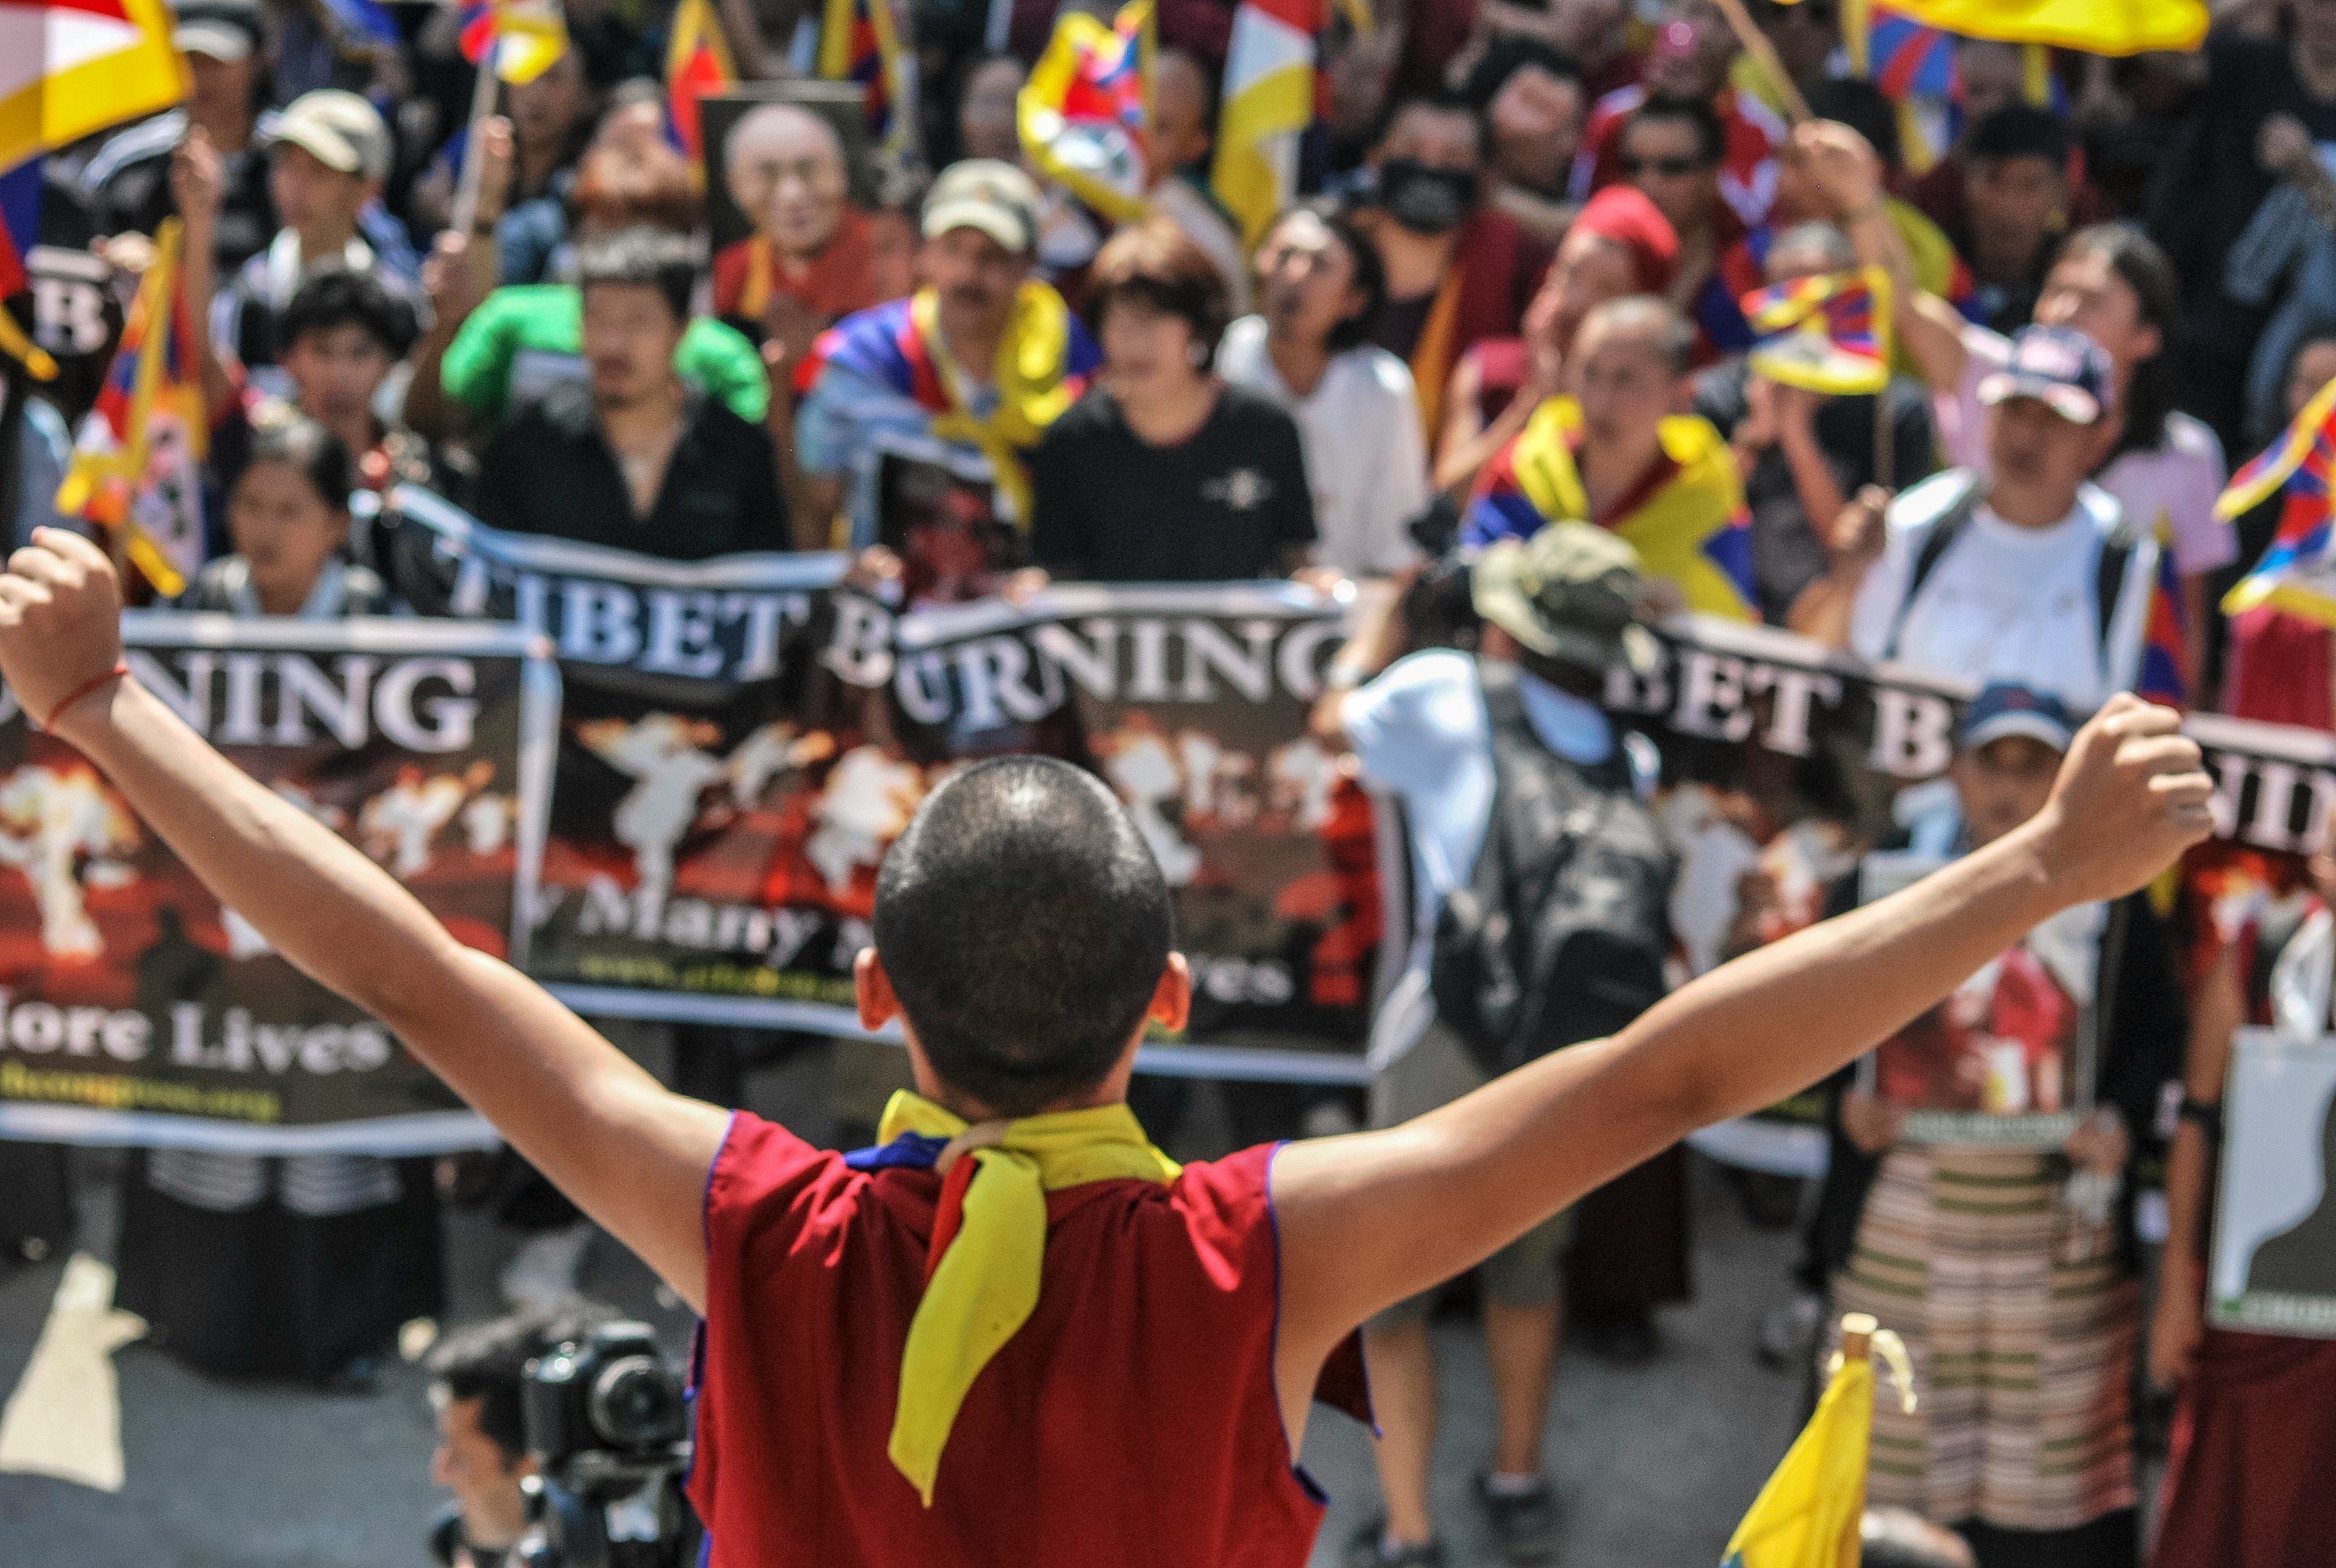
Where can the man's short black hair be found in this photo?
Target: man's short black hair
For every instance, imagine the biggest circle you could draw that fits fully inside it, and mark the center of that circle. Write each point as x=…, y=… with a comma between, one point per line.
x=1025, y=925
x=1859, y=104
x=2021, y=130
x=488, y=1361
x=642, y=257
x=344, y=297
x=1710, y=136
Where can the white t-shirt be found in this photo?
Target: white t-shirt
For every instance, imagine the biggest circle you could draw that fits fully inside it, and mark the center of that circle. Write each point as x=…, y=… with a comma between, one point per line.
x=2168, y=492
x=2007, y=603
x=1364, y=457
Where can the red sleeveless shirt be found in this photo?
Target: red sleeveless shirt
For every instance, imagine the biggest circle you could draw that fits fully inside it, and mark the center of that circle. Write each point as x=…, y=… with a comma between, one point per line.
x=1132, y=1419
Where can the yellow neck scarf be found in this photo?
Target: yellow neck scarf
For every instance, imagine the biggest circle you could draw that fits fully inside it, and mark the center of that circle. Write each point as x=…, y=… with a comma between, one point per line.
x=1032, y=355
x=986, y=1283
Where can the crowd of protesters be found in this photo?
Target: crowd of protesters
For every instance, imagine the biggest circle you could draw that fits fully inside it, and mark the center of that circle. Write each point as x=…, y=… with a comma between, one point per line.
x=1503, y=304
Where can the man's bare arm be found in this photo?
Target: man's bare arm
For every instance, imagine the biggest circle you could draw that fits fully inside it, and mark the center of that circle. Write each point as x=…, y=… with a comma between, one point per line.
x=632, y=1154
x=1368, y=1220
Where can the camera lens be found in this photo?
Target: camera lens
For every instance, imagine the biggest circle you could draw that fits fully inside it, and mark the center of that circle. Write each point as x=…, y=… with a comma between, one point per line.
x=635, y=1404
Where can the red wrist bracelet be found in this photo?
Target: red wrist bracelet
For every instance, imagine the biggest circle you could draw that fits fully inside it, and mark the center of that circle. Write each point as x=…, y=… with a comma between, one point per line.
x=82, y=691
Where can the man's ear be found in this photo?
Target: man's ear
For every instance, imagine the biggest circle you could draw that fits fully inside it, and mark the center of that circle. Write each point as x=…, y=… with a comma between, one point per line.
x=872, y=987
x=1172, y=998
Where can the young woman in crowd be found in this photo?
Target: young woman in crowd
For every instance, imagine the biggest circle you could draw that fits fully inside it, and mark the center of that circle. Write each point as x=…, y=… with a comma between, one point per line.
x=1163, y=473
x=1309, y=349
x=303, y=1266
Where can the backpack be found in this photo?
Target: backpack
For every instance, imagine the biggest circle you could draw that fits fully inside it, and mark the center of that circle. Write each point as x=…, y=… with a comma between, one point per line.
x=1562, y=930
x=2109, y=568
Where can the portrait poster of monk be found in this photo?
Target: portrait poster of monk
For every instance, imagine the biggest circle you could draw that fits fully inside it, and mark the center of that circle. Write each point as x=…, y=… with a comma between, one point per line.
x=2272, y=1266
x=2006, y=1059
x=790, y=193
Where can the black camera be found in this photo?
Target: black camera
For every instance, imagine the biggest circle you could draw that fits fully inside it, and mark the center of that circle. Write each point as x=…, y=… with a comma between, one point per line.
x=607, y=1424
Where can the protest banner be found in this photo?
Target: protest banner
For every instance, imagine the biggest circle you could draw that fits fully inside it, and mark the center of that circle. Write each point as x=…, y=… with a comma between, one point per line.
x=741, y=745
x=134, y=1008
x=2273, y=1268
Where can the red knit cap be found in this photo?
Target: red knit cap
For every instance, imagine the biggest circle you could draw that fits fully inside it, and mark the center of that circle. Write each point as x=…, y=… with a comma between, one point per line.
x=1624, y=215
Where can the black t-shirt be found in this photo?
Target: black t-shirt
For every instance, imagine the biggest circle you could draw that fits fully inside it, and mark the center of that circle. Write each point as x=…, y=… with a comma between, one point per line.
x=1788, y=551
x=1231, y=502
x=551, y=470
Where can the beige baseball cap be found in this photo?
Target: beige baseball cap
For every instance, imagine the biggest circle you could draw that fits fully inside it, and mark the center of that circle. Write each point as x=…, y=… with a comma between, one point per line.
x=989, y=195
x=340, y=128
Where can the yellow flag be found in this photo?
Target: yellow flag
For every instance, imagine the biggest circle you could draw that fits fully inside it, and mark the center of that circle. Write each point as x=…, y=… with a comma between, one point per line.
x=2096, y=27
x=1806, y=1516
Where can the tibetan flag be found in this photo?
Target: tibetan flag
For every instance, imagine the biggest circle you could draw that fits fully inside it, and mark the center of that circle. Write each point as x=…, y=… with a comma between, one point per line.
x=697, y=63
x=2095, y=27
x=1808, y=1515
x=2298, y=573
x=2166, y=635
x=1269, y=102
x=2299, y=461
x=137, y=464
x=1085, y=113
x=1829, y=333
x=858, y=41
x=523, y=38
x=1897, y=53
x=67, y=69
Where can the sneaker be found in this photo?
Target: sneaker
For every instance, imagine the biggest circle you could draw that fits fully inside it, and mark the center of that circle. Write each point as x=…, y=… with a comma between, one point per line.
x=1524, y=1524
x=1788, y=1333
x=542, y=1273
x=1367, y=1548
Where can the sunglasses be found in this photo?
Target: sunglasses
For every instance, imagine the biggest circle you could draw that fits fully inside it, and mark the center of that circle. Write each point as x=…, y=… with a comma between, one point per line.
x=1671, y=167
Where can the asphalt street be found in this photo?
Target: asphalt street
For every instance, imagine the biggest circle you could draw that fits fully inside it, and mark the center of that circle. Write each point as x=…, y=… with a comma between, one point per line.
x=1653, y=1465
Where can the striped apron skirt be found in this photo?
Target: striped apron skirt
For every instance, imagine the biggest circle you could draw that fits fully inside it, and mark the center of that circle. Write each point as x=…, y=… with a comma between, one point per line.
x=2021, y=1324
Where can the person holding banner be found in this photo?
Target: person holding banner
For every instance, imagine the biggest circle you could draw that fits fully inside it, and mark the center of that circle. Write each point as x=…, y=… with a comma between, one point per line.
x=1163, y=473
x=2010, y=1285
x=636, y=460
x=983, y=357
x=847, y=1406
x=304, y=1266
x=2255, y=1433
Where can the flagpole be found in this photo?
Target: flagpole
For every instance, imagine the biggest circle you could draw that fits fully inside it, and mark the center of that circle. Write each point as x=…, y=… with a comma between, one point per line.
x=1857, y=1331
x=482, y=107
x=1755, y=44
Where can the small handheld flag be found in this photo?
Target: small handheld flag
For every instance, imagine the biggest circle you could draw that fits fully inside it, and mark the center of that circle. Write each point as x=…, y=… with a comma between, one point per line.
x=521, y=39
x=1828, y=334
x=697, y=63
x=2298, y=573
x=1085, y=113
x=1807, y=1516
x=860, y=41
x=135, y=464
x=2299, y=461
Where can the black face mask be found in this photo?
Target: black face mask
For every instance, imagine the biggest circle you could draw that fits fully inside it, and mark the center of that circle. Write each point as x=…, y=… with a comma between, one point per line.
x=1427, y=201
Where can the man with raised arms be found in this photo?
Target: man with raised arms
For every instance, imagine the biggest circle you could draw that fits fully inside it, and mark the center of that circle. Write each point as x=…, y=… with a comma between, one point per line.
x=1017, y=1332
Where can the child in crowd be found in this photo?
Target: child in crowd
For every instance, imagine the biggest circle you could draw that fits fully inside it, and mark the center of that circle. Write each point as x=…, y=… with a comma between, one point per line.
x=288, y=517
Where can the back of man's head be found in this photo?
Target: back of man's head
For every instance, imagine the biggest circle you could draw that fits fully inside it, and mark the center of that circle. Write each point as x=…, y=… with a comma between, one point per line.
x=1024, y=924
